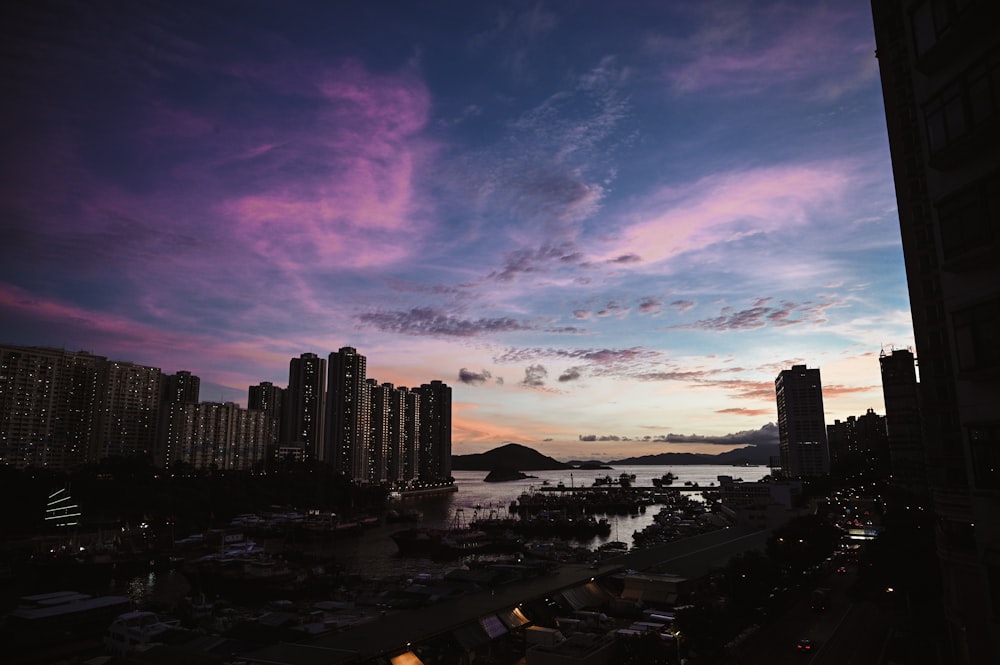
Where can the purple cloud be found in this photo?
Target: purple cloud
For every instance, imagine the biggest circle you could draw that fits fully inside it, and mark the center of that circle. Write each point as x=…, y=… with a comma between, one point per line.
x=469, y=377
x=534, y=376
x=429, y=321
x=571, y=374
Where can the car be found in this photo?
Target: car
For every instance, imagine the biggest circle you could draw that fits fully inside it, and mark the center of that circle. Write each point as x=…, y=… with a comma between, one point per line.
x=805, y=646
x=842, y=570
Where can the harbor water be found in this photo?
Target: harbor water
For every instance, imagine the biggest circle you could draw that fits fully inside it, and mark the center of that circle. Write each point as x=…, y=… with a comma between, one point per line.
x=374, y=554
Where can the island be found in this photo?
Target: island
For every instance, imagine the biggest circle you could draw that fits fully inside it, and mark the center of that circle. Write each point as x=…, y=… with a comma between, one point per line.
x=504, y=474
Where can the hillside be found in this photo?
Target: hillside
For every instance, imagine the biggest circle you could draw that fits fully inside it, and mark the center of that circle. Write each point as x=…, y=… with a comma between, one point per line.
x=523, y=458
x=510, y=456
x=754, y=455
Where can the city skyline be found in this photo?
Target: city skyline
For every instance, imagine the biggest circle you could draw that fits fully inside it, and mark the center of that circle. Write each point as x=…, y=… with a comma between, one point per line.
x=607, y=229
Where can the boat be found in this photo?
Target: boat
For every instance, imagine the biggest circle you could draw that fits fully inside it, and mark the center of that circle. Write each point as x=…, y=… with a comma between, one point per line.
x=665, y=480
x=41, y=620
x=135, y=630
x=459, y=540
x=613, y=548
x=442, y=543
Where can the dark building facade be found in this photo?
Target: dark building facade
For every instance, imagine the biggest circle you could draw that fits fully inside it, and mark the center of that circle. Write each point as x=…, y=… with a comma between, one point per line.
x=181, y=388
x=128, y=422
x=383, y=429
x=177, y=391
x=269, y=399
x=348, y=416
x=305, y=406
x=859, y=447
x=902, y=414
x=939, y=62
x=434, y=448
x=801, y=423
x=49, y=404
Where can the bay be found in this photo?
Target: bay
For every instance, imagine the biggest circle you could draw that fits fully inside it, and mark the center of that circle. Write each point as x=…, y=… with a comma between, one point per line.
x=373, y=553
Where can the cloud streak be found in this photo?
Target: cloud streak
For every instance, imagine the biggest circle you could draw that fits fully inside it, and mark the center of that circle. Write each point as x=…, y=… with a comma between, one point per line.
x=623, y=220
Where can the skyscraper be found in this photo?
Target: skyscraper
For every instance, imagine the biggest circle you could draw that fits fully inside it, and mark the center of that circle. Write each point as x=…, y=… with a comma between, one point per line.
x=859, y=445
x=406, y=468
x=177, y=391
x=384, y=429
x=902, y=415
x=939, y=64
x=217, y=435
x=434, y=448
x=348, y=416
x=305, y=405
x=801, y=423
x=182, y=388
x=49, y=401
x=269, y=400
x=130, y=409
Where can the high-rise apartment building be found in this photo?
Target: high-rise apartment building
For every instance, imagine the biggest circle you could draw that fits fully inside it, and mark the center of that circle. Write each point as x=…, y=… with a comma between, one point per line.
x=305, y=405
x=130, y=410
x=859, y=446
x=49, y=402
x=348, y=416
x=902, y=415
x=181, y=388
x=268, y=399
x=939, y=62
x=177, y=391
x=434, y=447
x=405, y=468
x=221, y=435
x=801, y=423
x=384, y=429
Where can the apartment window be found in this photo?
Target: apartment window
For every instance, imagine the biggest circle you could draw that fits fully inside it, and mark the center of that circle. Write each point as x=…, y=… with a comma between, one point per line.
x=933, y=18
x=970, y=219
x=977, y=330
x=971, y=101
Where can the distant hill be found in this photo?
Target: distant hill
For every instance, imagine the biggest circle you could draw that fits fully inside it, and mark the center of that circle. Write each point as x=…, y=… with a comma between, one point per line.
x=510, y=456
x=753, y=455
x=523, y=458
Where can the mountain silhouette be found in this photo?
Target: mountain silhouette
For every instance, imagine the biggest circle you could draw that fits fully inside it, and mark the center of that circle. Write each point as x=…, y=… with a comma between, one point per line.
x=523, y=458
x=510, y=456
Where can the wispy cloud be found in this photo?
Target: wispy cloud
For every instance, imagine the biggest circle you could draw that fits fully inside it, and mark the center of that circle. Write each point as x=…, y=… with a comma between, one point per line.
x=748, y=48
x=785, y=314
x=725, y=207
x=534, y=376
x=766, y=435
x=428, y=321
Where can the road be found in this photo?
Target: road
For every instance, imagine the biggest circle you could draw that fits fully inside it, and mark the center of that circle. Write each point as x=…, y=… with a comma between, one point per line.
x=845, y=634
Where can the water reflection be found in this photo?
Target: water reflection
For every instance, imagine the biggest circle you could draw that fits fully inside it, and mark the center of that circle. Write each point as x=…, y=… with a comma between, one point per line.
x=163, y=589
x=374, y=554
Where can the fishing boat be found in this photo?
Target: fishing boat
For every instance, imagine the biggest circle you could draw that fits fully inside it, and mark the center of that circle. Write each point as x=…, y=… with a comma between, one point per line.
x=458, y=540
x=134, y=630
x=665, y=480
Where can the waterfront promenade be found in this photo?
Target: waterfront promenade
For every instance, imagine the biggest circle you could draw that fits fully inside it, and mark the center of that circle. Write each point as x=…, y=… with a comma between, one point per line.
x=394, y=632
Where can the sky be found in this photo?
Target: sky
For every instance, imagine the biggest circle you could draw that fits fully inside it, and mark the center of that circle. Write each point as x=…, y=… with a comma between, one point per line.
x=607, y=225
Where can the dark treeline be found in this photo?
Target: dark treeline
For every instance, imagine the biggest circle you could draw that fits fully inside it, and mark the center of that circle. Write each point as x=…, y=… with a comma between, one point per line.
x=121, y=491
